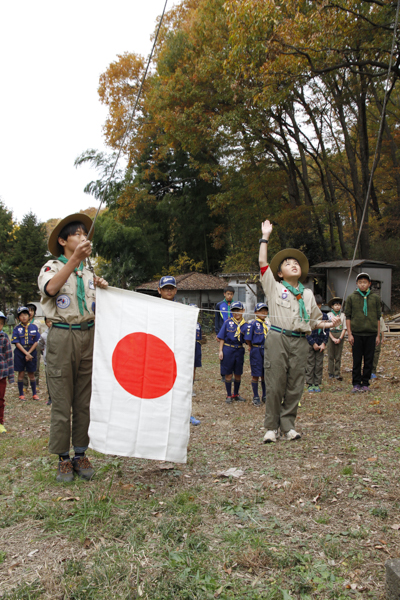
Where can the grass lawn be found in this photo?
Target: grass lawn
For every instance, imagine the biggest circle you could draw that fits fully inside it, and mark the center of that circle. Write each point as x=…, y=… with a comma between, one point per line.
x=316, y=518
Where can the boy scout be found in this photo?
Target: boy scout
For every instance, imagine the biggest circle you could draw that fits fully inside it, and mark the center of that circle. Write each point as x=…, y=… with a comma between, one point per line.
x=317, y=340
x=255, y=337
x=223, y=308
x=41, y=327
x=67, y=288
x=231, y=351
x=363, y=314
x=25, y=337
x=293, y=313
x=336, y=337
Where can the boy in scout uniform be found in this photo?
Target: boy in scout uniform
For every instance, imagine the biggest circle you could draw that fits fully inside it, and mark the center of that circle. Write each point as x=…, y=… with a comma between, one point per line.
x=317, y=340
x=223, y=308
x=231, y=351
x=336, y=338
x=42, y=327
x=293, y=313
x=363, y=315
x=25, y=337
x=255, y=337
x=67, y=288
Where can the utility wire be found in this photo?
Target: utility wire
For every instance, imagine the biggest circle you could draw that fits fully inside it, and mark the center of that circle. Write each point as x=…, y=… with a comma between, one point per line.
x=375, y=161
x=130, y=121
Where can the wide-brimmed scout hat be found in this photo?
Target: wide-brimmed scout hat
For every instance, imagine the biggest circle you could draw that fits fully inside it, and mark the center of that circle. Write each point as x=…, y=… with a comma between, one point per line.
x=290, y=253
x=81, y=217
x=333, y=301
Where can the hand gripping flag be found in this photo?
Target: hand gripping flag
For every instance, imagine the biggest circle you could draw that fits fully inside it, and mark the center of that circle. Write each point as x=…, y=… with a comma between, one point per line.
x=142, y=376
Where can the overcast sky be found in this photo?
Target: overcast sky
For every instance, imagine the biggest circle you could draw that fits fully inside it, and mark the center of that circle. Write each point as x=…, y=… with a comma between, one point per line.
x=52, y=54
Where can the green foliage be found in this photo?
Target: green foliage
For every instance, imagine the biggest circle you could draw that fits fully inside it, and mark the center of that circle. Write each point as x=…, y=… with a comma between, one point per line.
x=6, y=250
x=253, y=111
x=131, y=253
x=29, y=255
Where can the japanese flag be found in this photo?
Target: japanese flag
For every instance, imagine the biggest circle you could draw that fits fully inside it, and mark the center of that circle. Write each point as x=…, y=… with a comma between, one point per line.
x=142, y=376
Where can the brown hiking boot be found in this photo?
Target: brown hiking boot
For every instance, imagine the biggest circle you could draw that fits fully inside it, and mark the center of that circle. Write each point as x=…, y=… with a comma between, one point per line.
x=83, y=467
x=65, y=471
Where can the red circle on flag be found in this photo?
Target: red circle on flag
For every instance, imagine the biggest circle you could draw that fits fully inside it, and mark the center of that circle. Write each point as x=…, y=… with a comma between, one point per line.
x=144, y=365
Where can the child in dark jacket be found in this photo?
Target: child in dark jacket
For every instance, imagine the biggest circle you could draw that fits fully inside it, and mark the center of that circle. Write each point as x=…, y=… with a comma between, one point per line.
x=363, y=314
x=318, y=340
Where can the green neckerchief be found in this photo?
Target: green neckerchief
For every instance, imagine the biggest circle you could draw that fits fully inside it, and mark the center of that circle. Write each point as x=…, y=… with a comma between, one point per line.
x=298, y=294
x=365, y=296
x=80, y=290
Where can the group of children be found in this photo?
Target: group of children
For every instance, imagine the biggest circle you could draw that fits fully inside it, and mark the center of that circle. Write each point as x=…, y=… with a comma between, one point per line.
x=25, y=337
x=282, y=356
x=233, y=333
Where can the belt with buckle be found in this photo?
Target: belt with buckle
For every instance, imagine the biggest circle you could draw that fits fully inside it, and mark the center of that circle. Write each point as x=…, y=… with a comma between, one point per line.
x=287, y=332
x=232, y=346
x=257, y=345
x=83, y=326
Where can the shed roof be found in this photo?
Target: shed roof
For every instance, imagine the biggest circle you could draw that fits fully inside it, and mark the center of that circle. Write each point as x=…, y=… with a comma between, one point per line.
x=346, y=264
x=239, y=274
x=189, y=281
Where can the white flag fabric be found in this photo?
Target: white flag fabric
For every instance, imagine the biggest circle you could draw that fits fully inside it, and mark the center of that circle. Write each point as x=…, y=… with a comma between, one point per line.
x=142, y=376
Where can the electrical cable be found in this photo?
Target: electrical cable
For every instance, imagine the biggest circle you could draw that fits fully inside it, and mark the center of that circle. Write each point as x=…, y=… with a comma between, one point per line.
x=130, y=120
x=375, y=161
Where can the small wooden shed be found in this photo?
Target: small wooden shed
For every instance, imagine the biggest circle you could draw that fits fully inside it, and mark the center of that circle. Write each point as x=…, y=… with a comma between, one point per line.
x=337, y=272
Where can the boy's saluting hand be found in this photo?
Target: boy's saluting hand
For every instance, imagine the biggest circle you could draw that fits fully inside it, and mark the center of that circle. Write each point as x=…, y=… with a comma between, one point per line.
x=266, y=229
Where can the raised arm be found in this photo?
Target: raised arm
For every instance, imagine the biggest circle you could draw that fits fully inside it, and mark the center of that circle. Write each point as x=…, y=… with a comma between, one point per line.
x=266, y=230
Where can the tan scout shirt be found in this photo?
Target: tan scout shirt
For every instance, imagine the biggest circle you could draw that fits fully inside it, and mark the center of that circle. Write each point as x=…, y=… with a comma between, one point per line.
x=283, y=307
x=64, y=307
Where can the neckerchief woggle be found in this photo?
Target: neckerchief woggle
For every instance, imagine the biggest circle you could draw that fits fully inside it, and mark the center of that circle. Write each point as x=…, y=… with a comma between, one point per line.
x=298, y=294
x=26, y=337
x=265, y=328
x=80, y=289
x=242, y=322
x=364, y=295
